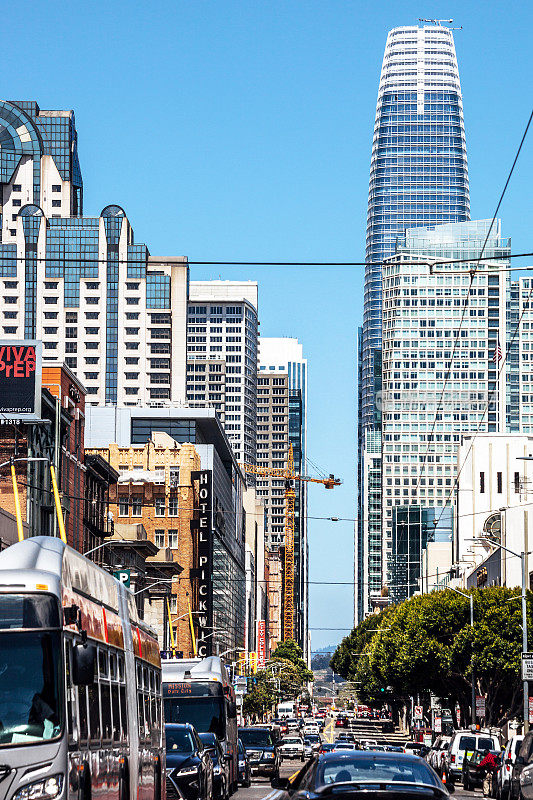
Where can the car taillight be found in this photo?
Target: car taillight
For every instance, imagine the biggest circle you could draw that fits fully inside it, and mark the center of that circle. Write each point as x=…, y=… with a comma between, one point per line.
x=452, y=759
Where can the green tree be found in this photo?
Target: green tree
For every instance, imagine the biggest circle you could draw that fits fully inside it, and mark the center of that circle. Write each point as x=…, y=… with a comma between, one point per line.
x=261, y=698
x=426, y=644
x=291, y=652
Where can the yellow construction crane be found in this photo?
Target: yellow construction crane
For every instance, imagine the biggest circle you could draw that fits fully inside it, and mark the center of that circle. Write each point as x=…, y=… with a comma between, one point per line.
x=290, y=480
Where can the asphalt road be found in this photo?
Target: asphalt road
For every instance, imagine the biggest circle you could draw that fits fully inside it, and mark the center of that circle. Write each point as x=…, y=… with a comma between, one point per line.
x=260, y=787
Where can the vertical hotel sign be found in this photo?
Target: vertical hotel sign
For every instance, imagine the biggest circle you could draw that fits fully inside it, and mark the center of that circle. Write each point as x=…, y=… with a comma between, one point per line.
x=203, y=571
x=261, y=643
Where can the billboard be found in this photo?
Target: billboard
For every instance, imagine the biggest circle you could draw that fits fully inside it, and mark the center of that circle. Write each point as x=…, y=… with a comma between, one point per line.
x=20, y=380
x=261, y=643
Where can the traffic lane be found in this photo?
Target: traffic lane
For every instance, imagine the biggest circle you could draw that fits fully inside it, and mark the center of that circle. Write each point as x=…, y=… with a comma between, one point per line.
x=261, y=786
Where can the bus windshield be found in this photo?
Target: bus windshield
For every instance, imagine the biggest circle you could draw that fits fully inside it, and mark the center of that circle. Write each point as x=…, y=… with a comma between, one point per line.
x=30, y=693
x=207, y=714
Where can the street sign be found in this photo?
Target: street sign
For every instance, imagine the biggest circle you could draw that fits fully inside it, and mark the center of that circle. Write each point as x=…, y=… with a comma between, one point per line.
x=480, y=706
x=527, y=666
x=437, y=727
x=418, y=712
x=123, y=576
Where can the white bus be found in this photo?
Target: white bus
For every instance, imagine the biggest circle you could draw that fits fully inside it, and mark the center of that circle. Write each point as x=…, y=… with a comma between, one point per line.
x=80, y=681
x=286, y=709
x=198, y=691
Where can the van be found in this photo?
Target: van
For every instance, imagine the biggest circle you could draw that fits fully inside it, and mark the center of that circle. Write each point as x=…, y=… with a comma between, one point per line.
x=466, y=741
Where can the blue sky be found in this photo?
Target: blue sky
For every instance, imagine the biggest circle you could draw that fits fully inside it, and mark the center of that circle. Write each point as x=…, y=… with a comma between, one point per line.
x=241, y=130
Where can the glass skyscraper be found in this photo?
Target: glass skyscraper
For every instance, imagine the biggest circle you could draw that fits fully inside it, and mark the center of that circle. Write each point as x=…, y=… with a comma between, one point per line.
x=418, y=177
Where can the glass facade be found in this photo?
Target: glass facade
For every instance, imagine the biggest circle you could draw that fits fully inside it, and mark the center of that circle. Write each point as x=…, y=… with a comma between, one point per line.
x=418, y=176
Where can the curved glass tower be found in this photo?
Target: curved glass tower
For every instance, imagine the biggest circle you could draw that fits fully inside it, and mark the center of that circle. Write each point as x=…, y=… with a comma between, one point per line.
x=418, y=177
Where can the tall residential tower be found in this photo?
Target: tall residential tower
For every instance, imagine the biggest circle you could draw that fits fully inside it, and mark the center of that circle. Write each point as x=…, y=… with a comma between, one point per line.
x=418, y=177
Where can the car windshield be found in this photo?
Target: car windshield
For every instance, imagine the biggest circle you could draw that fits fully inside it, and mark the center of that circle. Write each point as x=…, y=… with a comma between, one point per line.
x=30, y=687
x=467, y=743
x=179, y=740
x=291, y=740
x=374, y=769
x=485, y=744
x=255, y=737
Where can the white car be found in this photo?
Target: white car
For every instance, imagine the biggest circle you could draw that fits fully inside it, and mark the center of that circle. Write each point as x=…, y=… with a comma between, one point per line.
x=369, y=744
x=466, y=741
x=291, y=747
x=435, y=757
x=312, y=727
x=508, y=759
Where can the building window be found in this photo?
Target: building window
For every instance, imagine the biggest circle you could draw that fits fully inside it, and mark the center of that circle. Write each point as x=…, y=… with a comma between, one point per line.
x=160, y=539
x=12, y=300
x=482, y=483
x=71, y=316
x=517, y=482
x=173, y=506
x=71, y=362
x=124, y=507
x=173, y=538
x=16, y=203
x=132, y=301
x=17, y=187
x=56, y=187
x=56, y=203
x=136, y=506
x=160, y=506
x=499, y=482
x=131, y=376
x=132, y=390
x=91, y=301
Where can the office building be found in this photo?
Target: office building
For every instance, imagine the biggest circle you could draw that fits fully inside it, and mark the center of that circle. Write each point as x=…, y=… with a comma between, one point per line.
x=220, y=518
x=222, y=337
x=418, y=177
x=96, y=299
x=282, y=367
x=443, y=376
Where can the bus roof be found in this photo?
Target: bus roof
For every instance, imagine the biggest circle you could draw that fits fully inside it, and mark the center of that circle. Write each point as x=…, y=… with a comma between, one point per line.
x=194, y=669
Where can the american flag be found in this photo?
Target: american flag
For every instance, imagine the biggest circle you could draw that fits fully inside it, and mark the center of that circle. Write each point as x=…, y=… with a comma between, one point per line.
x=497, y=353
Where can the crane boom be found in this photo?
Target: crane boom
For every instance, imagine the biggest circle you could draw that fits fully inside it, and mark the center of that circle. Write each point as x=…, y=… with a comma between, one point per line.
x=290, y=495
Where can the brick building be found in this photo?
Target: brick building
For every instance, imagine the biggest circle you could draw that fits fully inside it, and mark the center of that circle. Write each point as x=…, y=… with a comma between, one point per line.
x=156, y=490
x=59, y=438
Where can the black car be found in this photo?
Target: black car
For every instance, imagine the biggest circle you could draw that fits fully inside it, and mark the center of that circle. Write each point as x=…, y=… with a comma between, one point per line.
x=261, y=750
x=372, y=775
x=221, y=775
x=189, y=765
x=472, y=774
x=245, y=771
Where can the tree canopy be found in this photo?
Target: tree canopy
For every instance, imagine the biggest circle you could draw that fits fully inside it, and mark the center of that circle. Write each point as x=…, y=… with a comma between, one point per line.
x=426, y=644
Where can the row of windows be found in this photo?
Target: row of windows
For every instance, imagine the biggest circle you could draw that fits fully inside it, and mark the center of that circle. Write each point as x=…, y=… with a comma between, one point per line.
x=134, y=505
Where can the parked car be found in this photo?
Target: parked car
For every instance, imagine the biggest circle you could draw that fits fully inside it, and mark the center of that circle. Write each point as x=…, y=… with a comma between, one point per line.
x=245, y=771
x=343, y=775
x=261, y=750
x=436, y=755
x=291, y=747
x=472, y=774
x=510, y=753
x=522, y=760
x=464, y=741
x=189, y=765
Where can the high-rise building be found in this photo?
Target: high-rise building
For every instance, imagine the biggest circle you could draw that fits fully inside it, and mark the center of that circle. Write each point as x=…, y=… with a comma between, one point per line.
x=222, y=336
x=443, y=377
x=281, y=359
x=418, y=176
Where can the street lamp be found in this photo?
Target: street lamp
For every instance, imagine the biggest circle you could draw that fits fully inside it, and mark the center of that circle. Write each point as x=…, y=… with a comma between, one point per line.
x=470, y=597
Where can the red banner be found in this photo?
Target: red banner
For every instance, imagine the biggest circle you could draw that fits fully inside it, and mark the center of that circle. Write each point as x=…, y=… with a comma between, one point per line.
x=261, y=643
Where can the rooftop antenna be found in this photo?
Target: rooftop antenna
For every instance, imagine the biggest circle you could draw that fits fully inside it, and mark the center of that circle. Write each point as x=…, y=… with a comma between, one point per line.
x=441, y=23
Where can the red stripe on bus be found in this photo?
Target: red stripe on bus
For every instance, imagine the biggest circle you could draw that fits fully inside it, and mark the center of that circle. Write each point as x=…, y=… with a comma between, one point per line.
x=106, y=636
x=140, y=643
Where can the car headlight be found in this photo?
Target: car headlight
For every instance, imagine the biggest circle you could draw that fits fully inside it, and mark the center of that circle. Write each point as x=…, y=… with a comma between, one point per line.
x=188, y=771
x=41, y=790
x=216, y=770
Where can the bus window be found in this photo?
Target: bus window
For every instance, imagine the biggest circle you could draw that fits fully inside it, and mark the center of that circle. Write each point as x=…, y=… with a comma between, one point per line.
x=71, y=693
x=82, y=707
x=152, y=681
x=140, y=710
x=123, y=711
x=102, y=663
x=94, y=712
x=121, y=669
x=116, y=712
x=113, y=666
x=105, y=696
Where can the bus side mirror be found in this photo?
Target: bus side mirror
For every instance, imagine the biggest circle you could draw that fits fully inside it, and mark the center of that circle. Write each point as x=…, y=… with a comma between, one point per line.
x=83, y=664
